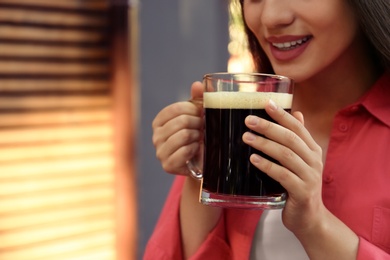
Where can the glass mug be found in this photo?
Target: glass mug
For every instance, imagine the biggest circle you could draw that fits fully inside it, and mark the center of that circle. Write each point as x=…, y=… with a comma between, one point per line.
x=228, y=178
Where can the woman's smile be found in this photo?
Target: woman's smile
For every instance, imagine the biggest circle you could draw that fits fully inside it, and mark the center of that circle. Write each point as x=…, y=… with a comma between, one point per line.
x=303, y=39
x=286, y=48
x=290, y=44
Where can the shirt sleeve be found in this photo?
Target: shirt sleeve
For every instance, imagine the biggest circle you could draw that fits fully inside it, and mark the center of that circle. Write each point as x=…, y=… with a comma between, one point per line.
x=368, y=251
x=165, y=242
x=215, y=245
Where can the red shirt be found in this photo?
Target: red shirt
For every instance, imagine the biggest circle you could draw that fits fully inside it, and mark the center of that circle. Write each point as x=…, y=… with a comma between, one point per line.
x=356, y=189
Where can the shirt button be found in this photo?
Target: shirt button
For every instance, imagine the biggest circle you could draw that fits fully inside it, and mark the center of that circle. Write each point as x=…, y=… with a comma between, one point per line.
x=328, y=179
x=343, y=127
x=354, y=108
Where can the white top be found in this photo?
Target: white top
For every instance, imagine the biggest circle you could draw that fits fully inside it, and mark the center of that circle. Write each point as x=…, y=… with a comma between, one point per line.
x=273, y=241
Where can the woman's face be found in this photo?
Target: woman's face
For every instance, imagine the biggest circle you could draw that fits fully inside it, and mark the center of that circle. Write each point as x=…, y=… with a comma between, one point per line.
x=303, y=38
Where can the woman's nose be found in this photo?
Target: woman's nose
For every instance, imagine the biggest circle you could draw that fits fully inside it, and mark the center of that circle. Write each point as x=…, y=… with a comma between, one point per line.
x=276, y=13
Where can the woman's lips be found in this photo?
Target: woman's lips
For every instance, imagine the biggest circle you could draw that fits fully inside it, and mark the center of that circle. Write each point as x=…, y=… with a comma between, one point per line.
x=286, y=48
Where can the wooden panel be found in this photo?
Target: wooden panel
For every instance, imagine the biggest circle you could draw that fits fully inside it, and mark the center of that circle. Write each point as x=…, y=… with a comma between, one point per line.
x=125, y=106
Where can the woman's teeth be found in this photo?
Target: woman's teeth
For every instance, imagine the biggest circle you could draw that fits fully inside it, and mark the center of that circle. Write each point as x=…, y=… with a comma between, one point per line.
x=289, y=45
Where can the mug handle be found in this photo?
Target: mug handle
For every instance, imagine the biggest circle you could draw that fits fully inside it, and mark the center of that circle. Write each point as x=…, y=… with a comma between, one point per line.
x=195, y=164
x=195, y=172
x=192, y=164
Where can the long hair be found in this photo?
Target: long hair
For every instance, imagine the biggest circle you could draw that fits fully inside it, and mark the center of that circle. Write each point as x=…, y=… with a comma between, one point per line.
x=260, y=59
x=374, y=20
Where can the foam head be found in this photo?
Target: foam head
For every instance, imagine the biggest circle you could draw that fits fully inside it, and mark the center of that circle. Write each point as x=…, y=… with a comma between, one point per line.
x=242, y=100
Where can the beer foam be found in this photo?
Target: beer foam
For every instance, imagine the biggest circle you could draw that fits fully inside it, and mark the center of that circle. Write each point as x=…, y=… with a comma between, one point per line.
x=239, y=100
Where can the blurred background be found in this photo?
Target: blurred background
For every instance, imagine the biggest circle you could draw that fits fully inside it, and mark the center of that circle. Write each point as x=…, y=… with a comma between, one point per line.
x=80, y=84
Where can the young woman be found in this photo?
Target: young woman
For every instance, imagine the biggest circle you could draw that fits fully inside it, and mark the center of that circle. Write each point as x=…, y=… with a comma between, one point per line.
x=334, y=147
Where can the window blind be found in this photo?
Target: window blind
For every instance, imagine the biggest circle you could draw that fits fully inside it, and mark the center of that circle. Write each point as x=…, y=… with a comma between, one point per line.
x=57, y=179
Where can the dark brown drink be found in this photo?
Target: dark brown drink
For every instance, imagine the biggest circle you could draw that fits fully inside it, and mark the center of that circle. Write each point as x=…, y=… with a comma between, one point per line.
x=227, y=169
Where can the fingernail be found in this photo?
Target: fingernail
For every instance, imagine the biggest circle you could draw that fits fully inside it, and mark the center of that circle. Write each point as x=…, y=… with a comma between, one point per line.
x=252, y=120
x=255, y=158
x=272, y=105
x=249, y=136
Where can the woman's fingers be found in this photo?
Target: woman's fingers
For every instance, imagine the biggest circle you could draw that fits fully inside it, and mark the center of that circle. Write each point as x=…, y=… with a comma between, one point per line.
x=197, y=89
x=172, y=111
x=289, y=132
x=292, y=171
x=288, y=142
x=284, y=176
x=280, y=144
x=294, y=122
x=176, y=135
x=163, y=133
x=174, y=161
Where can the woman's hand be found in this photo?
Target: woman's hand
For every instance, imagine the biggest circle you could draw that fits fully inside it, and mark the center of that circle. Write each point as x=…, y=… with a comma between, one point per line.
x=177, y=131
x=300, y=173
x=177, y=135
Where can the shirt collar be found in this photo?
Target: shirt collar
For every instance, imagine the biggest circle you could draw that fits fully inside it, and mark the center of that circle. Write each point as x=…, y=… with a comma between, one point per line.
x=377, y=99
